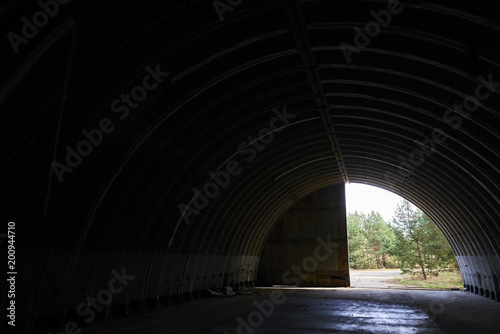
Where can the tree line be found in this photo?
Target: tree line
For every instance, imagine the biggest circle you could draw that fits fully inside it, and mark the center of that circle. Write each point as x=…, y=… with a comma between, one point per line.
x=411, y=242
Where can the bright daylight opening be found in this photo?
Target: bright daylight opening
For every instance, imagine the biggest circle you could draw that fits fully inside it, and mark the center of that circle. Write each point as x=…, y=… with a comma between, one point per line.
x=394, y=244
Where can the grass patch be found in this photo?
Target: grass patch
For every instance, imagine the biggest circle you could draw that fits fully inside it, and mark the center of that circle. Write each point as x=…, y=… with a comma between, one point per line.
x=445, y=280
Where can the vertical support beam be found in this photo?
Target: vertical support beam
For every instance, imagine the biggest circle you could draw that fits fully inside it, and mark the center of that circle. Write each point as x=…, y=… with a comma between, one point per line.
x=308, y=245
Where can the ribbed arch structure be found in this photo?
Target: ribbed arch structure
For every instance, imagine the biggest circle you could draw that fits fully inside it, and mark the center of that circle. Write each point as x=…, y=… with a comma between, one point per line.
x=350, y=120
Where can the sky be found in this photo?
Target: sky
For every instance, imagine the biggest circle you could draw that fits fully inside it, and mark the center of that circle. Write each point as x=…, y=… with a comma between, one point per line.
x=365, y=198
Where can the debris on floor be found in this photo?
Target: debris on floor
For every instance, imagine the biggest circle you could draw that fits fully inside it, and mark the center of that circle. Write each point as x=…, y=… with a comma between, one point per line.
x=227, y=291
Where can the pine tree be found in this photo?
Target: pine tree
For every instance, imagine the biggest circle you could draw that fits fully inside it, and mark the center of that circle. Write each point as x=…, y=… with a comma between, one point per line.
x=370, y=240
x=412, y=238
x=419, y=242
x=409, y=235
x=357, y=240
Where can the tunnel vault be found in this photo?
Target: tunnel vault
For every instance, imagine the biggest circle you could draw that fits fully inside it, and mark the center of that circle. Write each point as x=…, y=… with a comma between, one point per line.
x=163, y=140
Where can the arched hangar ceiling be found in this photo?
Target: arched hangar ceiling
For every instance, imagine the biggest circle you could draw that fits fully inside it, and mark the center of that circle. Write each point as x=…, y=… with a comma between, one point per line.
x=182, y=89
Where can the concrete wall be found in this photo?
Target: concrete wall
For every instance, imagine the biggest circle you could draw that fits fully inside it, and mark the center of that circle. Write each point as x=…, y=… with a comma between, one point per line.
x=308, y=245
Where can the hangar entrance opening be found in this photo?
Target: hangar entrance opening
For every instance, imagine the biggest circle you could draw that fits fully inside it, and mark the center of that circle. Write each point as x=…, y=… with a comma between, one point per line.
x=334, y=230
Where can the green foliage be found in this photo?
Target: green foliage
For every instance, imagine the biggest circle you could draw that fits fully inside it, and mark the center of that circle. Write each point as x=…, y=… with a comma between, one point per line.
x=412, y=242
x=370, y=241
x=419, y=242
x=356, y=240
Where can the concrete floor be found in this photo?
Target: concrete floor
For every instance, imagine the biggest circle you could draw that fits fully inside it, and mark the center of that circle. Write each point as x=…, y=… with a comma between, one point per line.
x=338, y=310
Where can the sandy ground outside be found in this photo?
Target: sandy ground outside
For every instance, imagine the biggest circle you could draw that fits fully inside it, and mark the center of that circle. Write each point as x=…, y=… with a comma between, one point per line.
x=377, y=278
